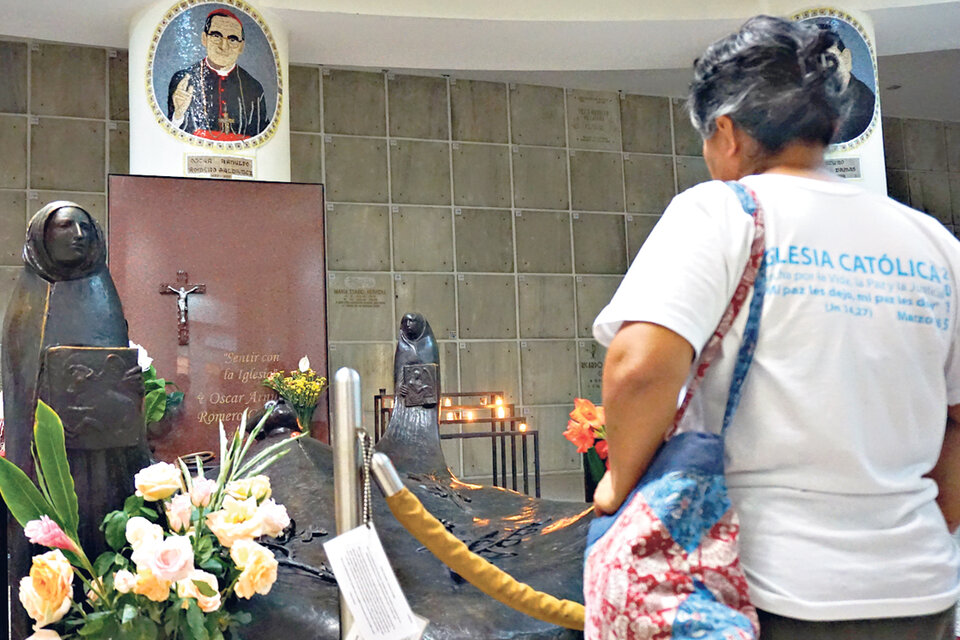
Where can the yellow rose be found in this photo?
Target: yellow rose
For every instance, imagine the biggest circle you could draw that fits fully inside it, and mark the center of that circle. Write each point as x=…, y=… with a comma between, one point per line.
x=45, y=593
x=256, y=487
x=258, y=568
x=158, y=481
x=237, y=520
x=187, y=589
x=152, y=587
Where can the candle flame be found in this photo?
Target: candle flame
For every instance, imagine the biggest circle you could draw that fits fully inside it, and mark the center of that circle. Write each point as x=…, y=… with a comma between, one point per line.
x=501, y=412
x=499, y=401
x=446, y=402
x=523, y=426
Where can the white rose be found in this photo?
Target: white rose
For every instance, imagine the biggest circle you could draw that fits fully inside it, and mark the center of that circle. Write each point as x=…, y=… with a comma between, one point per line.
x=143, y=359
x=273, y=518
x=124, y=581
x=45, y=634
x=144, y=537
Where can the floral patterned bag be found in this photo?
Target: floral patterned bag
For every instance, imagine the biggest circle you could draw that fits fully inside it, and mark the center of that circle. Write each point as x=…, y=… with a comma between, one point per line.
x=665, y=565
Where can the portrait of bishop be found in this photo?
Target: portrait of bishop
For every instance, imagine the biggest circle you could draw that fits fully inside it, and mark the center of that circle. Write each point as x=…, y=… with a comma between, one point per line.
x=215, y=98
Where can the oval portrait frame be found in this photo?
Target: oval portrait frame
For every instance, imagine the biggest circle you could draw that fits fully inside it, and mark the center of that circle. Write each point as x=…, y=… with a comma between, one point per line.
x=159, y=111
x=823, y=15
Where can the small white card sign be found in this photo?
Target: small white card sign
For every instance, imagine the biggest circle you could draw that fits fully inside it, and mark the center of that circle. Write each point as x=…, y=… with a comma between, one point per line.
x=370, y=588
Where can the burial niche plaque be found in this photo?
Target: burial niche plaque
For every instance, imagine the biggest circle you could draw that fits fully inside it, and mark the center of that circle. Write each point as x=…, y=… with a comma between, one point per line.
x=254, y=250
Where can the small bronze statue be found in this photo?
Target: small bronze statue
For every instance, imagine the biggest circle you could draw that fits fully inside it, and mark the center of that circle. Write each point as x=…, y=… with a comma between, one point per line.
x=65, y=342
x=539, y=542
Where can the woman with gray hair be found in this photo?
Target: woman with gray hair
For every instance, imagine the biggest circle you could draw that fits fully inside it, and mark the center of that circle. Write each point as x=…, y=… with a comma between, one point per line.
x=843, y=458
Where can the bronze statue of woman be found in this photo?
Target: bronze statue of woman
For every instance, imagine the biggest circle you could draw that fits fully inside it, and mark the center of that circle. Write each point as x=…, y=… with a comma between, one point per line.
x=65, y=342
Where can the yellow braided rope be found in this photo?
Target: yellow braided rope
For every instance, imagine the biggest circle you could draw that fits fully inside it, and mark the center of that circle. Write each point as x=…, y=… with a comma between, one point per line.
x=489, y=579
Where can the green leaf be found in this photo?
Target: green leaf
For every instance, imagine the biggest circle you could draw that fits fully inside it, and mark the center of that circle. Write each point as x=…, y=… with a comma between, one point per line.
x=133, y=504
x=154, y=405
x=174, y=399
x=129, y=613
x=97, y=623
x=204, y=588
x=213, y=565
x=104, y=561
x=52, y=454
x=153, y=385
x=195, y=621
x=115, y=529
x=22, y=496
x=204, y=549
x=257, y=460
x=145, y=629
x=171, y=618
x=242, y=617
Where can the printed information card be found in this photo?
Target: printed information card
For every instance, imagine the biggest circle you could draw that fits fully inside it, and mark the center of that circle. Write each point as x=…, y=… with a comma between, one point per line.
x=370, y=588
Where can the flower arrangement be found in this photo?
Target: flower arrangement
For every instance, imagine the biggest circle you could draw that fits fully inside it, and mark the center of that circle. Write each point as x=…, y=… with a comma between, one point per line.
x=183, y=549
x=301, y=390
x=157, y=401
x=587, y=429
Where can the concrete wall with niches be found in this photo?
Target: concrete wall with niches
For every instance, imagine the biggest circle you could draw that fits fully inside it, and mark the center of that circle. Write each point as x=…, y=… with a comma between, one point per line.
x=507, y=214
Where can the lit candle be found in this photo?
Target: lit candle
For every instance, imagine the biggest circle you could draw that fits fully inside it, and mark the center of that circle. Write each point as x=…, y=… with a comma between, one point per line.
x=469, y=415
x=446, y=402
x=483, y=401
x=501, y=412
x=449, y=415
x=499, y=401
x=523, y=426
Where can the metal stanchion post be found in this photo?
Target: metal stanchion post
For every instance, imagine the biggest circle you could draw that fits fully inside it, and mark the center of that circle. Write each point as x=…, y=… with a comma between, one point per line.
x=347, y=416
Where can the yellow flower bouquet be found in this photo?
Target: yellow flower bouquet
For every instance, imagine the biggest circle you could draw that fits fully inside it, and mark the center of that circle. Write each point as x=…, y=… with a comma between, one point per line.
x=183, y=550
x=301, y=390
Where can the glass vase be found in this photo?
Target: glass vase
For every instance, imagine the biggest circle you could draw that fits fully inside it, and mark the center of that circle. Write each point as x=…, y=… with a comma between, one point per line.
x=304, y=416
x=593, y=470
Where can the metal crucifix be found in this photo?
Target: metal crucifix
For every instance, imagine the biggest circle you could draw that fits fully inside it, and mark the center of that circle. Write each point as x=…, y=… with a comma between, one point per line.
x=180, y=290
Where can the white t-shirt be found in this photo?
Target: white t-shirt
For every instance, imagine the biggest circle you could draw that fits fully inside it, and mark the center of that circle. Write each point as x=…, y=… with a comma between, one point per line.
x=844, y=408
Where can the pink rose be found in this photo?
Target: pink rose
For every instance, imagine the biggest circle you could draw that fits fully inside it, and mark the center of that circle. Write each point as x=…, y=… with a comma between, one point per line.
x=172, y=559
x=273, y=518
x=48, y=533
x=201, y=491
x=179, y=511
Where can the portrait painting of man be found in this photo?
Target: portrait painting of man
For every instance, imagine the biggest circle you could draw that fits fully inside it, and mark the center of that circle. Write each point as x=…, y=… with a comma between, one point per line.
x=855, y=63
x=215, y=74
x=215, y=97
x=857, y=98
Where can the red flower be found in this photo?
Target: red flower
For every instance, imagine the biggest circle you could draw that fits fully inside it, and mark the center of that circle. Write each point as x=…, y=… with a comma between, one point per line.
x=580, y=435
x=601, y=447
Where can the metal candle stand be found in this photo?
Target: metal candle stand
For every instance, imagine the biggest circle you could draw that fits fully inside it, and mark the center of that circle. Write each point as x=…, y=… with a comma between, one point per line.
x=502, y=428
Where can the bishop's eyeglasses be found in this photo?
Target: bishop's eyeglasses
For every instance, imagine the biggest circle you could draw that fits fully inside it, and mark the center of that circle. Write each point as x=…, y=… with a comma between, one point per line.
x=216, y=38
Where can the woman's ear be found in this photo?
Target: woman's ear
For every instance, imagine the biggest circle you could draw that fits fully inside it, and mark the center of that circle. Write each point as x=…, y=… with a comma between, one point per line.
x=728, y=138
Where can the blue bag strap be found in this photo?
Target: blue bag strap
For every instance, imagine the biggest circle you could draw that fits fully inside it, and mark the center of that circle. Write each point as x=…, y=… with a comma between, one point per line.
x=750, y=204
